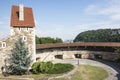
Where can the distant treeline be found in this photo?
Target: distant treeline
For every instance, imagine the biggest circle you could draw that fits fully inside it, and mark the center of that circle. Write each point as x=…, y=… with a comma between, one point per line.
x=46, y=40
x=100, y=35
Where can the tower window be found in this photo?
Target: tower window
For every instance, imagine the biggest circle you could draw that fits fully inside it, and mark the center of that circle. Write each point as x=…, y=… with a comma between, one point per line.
x=3, y=44
x=27, y=29
x=24, y=38
x=19, y=29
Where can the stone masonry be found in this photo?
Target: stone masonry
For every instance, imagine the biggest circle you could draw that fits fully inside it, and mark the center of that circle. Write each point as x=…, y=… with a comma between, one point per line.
x=84, y=54
x=24, y=28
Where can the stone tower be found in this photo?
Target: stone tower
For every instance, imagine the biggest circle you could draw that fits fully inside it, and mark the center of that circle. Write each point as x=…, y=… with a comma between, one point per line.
x=21, y=25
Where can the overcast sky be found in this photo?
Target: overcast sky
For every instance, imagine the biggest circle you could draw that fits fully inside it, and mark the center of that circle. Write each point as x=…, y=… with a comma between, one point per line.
x=64, y=18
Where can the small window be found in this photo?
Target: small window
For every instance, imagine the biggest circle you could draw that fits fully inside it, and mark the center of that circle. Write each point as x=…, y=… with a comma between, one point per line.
x=19, y=29
x=3, y=44
x=24, y=38
x=27, y=29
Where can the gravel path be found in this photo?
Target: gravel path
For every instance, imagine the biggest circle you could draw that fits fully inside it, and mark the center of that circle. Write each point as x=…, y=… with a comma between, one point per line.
x=111, y=71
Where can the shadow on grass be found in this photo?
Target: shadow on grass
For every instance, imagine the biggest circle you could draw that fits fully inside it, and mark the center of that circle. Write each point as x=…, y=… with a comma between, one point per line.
x=114, y=65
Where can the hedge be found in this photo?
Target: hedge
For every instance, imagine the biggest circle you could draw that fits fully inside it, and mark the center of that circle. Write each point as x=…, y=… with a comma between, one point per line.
x=50, y=68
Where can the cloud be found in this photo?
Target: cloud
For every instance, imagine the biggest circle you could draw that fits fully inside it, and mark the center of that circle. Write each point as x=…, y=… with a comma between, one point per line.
x=112, y=9
x=1, y=22
x=53, y=30
x=62, y=31
x=91, y=9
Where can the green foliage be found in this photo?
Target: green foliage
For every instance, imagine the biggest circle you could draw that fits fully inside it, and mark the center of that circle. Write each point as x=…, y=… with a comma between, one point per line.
x=50, y=68
x=20, y=59
x=37, y=40
x=42, y=67
x=35, y=67
x=45, y=67
x=46, y=40
x=101, y=35
x=61, y=68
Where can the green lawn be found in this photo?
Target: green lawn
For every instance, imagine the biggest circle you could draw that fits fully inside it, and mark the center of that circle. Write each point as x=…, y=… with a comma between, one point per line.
x=86, y=72
x=35, y=76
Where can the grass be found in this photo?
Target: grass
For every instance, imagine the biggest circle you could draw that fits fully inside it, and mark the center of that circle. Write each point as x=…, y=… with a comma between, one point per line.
x=35, y=76
x=60, y=68
x=86, y=72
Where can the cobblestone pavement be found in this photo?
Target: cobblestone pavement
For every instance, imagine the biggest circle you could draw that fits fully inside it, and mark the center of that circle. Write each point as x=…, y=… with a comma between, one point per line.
x=112, y=69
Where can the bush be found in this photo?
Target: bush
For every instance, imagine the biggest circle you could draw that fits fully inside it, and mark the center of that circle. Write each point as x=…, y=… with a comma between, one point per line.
x=35, y=67
x=50, y=68
x=60, y=68
x=42, y=67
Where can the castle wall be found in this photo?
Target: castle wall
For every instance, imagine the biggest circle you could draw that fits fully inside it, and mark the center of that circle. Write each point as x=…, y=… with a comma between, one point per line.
x=50, y=55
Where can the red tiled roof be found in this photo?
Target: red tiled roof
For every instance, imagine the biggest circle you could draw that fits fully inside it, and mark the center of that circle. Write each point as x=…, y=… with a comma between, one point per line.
x=28, y=17
x=77, y=44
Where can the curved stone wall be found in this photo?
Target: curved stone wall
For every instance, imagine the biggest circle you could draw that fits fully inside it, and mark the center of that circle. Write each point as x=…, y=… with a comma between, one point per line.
x=71, y=54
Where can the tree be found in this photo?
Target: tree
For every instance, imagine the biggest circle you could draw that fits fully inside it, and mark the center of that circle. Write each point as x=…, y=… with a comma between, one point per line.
x=100, y=35
x=58, y=40
x=37, y=40
x=47, y=40
x=20, y=58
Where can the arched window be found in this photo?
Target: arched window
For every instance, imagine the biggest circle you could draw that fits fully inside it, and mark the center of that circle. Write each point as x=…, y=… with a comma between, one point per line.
x=3, y=44
x=19, y=29
x=27, y=29
x=24, y=38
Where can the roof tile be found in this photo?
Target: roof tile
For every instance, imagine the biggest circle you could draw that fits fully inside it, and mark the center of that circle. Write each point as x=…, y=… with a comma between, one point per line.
x=28, y=17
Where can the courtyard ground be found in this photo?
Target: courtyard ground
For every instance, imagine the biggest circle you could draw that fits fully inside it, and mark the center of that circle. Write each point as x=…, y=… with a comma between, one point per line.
x=86, y=72
x=112, y=69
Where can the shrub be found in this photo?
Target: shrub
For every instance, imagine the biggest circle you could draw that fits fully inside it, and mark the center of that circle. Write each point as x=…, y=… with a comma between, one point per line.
x=42, y=67
x=60, y=68
x=35, y=67
x=50, y=68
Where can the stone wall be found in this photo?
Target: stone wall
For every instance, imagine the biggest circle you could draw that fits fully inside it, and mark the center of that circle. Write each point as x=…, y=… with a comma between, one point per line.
x=50, y=55
x=28, y=35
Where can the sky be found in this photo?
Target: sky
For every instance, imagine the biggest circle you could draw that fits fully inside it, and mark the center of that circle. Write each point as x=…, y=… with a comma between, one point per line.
x=64, y=18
